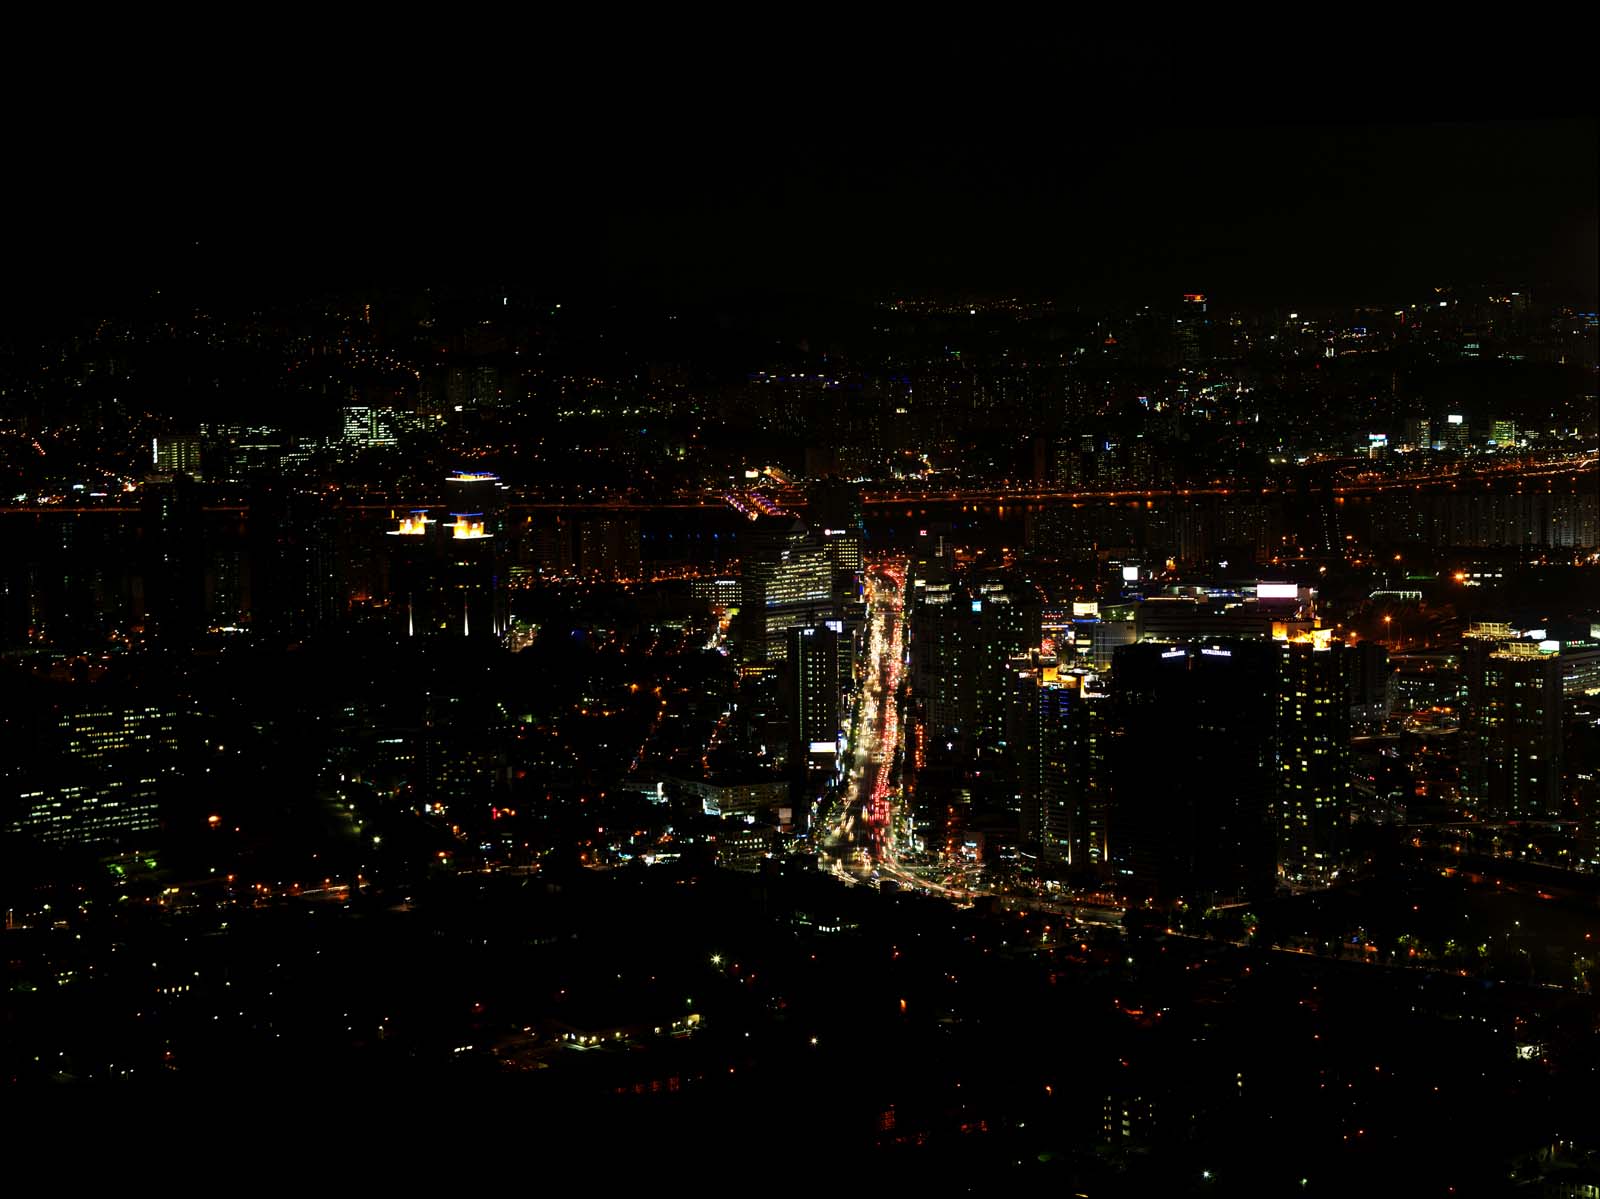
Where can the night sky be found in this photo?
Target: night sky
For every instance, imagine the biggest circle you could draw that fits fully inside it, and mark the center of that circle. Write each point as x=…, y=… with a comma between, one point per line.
x=1084, y=173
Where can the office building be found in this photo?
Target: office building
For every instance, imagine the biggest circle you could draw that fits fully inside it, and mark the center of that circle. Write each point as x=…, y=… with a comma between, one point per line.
x=786, y=583
x=1193, y=770
x=177, y=454
x=1454, y=434
x=1060, y=739
x=99, y=776
x=814, y=694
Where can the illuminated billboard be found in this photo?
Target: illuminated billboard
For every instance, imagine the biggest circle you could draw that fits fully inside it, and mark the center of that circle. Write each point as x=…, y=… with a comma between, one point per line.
x=1277, y=591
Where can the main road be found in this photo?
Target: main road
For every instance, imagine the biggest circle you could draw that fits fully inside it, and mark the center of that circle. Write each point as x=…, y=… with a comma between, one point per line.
x=860, y=835
x=855, y=828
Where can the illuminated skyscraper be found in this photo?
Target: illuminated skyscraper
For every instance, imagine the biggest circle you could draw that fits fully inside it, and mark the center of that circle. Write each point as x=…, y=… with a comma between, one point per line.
x=836, y=513
x=1311, y=804
x=786, y=582
x=1062, y=739
x=1512, y=737
x=446, y=577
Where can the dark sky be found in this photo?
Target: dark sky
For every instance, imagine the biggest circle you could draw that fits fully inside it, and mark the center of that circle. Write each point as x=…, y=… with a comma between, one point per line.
x=1028, y=165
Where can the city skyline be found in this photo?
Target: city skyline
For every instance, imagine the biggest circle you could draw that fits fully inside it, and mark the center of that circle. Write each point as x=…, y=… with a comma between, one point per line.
x=980, y=643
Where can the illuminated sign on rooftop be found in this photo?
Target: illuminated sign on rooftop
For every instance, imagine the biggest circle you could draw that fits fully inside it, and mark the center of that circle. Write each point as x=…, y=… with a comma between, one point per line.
x=414, y=525
x=473, y=476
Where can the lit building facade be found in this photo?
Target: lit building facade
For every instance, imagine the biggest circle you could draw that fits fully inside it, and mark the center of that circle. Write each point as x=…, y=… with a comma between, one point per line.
x=1061, y=746
x=104, y=782
x=1512, y=738
x=1312, y=800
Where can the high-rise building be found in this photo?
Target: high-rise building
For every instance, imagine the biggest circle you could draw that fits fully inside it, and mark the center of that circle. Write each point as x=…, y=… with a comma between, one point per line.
x=813, y=665
x=473, y=576
x=1067, y=458
x=786, y=583
x=471, y=387
x=364, y=426
x=1006, y=623
x=1512, y=737
x=1193, y=769
x=447, y=577
x=1453, y=434
x=357, y=425
x=177, y=453
x=169, y=592
x=962, y=643
x=844, y=551
x=1311, y=807
x=473, y=598
x=296, y=582
x=1061, y=740
x=479, y=493
x=1371, y=682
